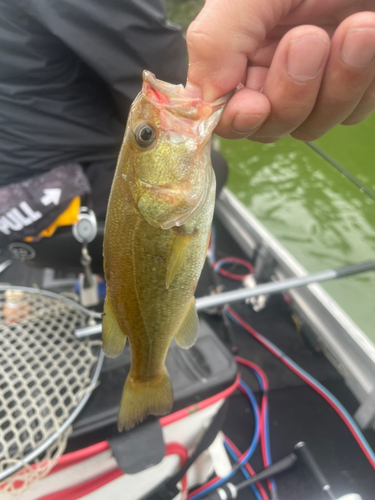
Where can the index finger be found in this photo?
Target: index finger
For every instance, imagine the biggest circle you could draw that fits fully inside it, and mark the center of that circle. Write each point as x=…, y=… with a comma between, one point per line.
x=220, y=41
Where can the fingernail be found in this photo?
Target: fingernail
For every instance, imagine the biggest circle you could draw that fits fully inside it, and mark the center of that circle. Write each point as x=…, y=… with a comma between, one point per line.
x=358, y=48
x=306, y=56
x=244, y=124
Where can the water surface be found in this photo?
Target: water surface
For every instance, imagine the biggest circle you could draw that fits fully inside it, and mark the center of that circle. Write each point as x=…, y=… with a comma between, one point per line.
x=319, y=215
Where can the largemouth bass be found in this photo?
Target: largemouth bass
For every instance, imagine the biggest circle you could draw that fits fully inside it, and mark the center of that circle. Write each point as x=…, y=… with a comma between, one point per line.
x=156, y=235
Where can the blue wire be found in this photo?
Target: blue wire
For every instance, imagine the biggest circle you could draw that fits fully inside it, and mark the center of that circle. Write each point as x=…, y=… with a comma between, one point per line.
x=254, y=404
x=243, y=470
x=212, y=258
x=250, y=451
x=221, y=262
x=233, y=318
x=333, y=399
x=259, y=378
x=266, y=430
x=267, y=437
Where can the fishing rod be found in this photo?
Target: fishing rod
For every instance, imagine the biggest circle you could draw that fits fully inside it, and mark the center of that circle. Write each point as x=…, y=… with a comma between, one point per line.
x=241, y=294
x=341, y=169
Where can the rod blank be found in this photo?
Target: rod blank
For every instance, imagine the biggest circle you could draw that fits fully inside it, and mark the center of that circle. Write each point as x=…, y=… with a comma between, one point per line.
x=241, y=294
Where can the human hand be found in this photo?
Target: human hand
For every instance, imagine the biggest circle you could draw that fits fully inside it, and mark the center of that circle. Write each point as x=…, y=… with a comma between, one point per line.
x=291, y=77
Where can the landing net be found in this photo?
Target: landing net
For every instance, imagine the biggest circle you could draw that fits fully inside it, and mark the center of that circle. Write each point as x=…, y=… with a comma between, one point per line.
x=46, y=375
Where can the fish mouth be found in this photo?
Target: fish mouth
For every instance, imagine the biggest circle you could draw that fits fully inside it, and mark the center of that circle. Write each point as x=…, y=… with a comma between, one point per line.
x=172, y=98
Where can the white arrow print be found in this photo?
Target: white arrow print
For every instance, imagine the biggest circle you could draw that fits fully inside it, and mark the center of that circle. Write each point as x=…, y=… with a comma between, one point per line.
x=51, y=196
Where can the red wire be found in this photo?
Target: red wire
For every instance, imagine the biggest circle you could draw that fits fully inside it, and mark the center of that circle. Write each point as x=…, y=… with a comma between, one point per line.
x=78, y=456
x=80, y=490
x=203, y=487
x=259, y=338
x=178, y=449
x=235, y=260
x=264, y=403
x=215, y=479
x=250, y=470
x=263, y=411
x=255, y=367
x=173, y=417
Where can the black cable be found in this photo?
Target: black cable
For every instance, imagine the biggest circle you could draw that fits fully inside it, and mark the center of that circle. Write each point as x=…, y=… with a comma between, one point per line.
x=229, y=491
x=276, y=468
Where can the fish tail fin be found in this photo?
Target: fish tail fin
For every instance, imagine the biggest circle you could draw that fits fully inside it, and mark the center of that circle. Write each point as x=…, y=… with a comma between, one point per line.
x=142, y=398
x=114, y=338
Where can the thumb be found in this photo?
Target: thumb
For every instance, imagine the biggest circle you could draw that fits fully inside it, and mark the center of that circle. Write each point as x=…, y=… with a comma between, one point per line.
x=222, y=38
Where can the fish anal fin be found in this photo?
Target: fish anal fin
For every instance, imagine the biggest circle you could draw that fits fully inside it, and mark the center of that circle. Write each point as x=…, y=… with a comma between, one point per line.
x=113, y=337
x=177, y=255
x=141, y=398
x=188, y=331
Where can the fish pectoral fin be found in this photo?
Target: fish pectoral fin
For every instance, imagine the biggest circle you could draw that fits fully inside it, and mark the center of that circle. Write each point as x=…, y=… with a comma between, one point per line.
x=113, y=337
x=177, y=255
x=188, y=331
x=144, y=397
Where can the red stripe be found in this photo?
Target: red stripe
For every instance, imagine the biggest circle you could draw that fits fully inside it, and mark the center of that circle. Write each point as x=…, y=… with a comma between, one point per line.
x=78, y=456
x=80, y=490
x=169, y=419
x=85, y=488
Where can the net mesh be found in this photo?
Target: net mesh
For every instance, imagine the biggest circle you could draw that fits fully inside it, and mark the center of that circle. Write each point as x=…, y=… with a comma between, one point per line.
x=44, y=372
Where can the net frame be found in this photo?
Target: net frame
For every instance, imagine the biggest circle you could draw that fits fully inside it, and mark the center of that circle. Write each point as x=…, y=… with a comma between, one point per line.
x=53, y=446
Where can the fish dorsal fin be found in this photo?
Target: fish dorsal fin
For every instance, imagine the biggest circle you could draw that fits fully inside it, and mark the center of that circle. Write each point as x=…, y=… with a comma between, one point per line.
x=113, y=337
x=188, y=331
x=177, y=255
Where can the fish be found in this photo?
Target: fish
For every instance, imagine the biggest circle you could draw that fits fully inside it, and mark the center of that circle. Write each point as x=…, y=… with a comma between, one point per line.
x=156, y=236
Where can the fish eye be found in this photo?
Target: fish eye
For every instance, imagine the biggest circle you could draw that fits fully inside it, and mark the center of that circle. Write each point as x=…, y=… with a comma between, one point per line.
x=144, y=135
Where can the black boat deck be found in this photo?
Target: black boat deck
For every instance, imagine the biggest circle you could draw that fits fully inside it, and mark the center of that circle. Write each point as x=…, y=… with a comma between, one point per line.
x=297, y=413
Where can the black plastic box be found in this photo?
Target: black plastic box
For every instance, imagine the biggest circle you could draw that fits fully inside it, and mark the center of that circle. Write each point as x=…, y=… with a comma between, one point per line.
x=196, y=373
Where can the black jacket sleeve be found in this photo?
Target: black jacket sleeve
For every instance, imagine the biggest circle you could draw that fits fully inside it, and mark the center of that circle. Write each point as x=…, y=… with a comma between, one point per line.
x=117, y=39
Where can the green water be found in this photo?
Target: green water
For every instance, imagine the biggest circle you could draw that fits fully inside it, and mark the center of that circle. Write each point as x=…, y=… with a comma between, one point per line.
x=321, y=217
